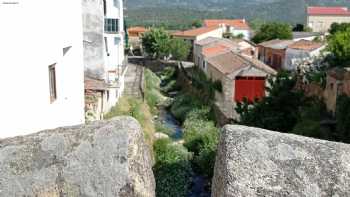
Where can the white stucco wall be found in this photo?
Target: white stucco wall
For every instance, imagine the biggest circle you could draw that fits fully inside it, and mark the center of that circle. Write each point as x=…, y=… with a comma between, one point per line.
x=33, y=36
x=236, y=32
x=115, y=41
x=293, y=56
x=216, y=33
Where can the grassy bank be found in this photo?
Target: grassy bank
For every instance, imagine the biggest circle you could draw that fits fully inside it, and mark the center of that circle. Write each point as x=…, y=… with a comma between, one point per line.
x=128, y=106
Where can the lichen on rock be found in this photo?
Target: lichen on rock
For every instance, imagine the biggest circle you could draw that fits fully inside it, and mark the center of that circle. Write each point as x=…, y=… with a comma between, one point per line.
x=257, y=162
x=105, y=158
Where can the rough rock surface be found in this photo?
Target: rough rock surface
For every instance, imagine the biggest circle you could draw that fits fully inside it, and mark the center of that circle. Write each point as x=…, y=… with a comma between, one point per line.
x=107, y=158
x=257, y=162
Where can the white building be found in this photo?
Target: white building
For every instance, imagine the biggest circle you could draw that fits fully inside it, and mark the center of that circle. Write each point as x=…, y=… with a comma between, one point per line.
x=302, y=51
x=104, y=52
x=234, y=26
x=42, y=78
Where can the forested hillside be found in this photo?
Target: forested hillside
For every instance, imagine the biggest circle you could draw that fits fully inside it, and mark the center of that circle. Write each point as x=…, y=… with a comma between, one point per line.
x=178, y=14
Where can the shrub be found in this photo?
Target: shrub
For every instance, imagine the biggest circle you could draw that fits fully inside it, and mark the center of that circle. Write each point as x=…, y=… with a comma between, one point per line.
x=183, y=104
x=172, y=169
x=152, y=90
x=201, y=138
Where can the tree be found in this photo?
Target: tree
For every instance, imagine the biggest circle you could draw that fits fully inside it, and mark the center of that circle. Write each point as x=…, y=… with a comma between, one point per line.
x=338, y=45
x=156, y=43
x=197, y=23
x=274, y=30
x=337, y=27
x=279, y=110
x=179, y=49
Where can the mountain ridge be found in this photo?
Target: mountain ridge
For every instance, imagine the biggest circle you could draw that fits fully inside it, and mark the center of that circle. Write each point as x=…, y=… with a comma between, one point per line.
x=180, y=13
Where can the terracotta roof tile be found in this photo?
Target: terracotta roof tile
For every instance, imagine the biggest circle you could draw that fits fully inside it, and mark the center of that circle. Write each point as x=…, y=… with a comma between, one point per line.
x=328, y=11
x=306, y=45
x=215, y=50
x=229, y=62
x=137, y=29
x=194, y=32
x=94, y=84
x=237, y=23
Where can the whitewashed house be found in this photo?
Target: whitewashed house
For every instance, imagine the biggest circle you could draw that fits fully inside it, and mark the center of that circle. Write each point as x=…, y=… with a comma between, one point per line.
x=103, y=55
x=42, y=70
x=234, y=26
x=301, y=51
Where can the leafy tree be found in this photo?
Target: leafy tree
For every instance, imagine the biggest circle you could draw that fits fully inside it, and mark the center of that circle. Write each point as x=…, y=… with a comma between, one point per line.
x=277, y=111
x=156, y=42
x=338, y=45
x=197, y=23
x=179, y=49
x=256, y=23
x=337, y=27
x=273, y=30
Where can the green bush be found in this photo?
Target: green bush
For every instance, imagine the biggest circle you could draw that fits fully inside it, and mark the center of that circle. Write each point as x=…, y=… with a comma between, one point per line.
x=201, y=138
x=152, y=90
x=172, y=169
x=183, y=104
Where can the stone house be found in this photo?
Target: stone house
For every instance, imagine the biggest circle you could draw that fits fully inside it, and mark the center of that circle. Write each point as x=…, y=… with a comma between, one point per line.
x=213, y=46
x=241, y=77
x=233, y=26
x=320, y=19
x=338, y=83
x=273, y=52
x=301, y=51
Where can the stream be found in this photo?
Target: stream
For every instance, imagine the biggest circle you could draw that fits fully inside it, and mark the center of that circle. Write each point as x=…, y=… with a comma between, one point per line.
x=199, y=183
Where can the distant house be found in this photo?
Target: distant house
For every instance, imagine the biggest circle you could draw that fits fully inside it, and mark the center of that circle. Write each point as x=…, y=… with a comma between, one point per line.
x=213, y=46
x=273, y=52
x=301, y=50
x=233, y=26
x=338, y=83
x=241, y=77
x=307, y=36
x=135, y=34
x=136, y=31
x=193, y=35
x=320, y=19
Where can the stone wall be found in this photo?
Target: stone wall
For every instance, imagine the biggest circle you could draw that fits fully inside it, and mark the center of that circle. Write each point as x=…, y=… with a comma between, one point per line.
x=257, y=162
x=107, y=158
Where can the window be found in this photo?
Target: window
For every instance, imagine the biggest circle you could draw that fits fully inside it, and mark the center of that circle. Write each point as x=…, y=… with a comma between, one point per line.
x=116, y=41
x=111, y=25
x=52, y=83
x=106, y=46
x=116, y=3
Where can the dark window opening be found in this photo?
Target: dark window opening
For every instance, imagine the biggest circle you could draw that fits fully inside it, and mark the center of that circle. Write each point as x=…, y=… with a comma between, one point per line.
x=52, y=83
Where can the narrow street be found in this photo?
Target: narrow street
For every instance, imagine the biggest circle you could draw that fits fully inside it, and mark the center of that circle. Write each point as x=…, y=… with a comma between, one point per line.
x=133, y=79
